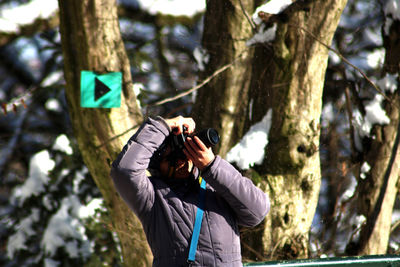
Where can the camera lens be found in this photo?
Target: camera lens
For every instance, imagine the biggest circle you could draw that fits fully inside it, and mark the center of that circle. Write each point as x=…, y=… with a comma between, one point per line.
x=209, y=137
x=213, y=136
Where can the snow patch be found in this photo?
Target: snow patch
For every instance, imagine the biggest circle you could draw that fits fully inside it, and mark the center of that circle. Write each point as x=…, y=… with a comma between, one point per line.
x=39, y=167
x=174, y=8
x=202, y=57
x=62, y=144
x=388, y=83
x=327, y=115
x=374, y=114
x=365, y=168
x=23, y=231
x=63, y=225
x=392, y=12
x=266, y=35
x=137, y=89
x=12, y=18
x=270, y=7
x=263, y=35
x=250, y=150
x=90, y=209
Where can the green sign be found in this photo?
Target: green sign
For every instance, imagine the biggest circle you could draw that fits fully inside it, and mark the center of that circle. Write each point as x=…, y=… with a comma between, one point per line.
x=360, y=261
x=101, y=90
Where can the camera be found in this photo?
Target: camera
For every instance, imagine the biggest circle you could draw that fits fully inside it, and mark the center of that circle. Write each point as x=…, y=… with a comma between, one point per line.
x=209, y=137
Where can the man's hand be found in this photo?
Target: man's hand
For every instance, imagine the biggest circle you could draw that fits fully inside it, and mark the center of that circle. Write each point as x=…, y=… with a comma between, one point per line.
x=176, y=124
x=196, y=151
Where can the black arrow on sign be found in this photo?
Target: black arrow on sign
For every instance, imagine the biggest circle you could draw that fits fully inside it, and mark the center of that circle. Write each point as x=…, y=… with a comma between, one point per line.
x=100, y=89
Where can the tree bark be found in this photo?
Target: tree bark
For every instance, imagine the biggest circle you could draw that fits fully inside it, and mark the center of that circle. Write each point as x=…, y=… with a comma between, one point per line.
x=91, y=41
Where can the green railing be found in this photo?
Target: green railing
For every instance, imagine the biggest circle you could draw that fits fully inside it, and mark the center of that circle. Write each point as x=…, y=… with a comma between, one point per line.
x=369, y=261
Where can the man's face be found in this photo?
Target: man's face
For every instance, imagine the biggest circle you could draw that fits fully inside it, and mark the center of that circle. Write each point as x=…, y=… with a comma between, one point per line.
x=182, y=169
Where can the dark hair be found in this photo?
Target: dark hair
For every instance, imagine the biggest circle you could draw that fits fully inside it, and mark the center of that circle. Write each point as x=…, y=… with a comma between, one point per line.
x=155, y=160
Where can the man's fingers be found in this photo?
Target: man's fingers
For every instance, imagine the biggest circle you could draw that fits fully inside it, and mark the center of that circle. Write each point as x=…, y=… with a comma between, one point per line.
x=190, y=125
x=179, y=122
x=189, y=151
x=199, y=143
x=194, y=144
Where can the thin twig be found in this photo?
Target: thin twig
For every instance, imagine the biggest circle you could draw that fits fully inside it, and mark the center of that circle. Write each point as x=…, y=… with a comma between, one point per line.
x=21, y=100
x=253, y=26
x=394, y=226
x=117, y=136
x=345, y=60
x=207, y=80
x=255, y=252
x=275, y=248
x=338, y=54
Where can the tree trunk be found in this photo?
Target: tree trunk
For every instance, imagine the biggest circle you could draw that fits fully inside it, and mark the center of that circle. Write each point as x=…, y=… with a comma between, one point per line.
x=91, y=41
x=287, y=76
x=222, y=102
x=294, y=82
x=377, y=192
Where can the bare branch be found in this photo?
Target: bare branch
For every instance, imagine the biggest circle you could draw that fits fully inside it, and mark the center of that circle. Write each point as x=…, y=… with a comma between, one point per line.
x=255, y=252
x=253, y=26
x=346, y=61
x=207, y=80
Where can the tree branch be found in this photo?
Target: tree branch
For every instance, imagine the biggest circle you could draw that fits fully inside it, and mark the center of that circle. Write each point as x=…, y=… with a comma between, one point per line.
x=12, y=144
x=283, y=16
x=346, y=61
x=204, y=82
x=253, y=26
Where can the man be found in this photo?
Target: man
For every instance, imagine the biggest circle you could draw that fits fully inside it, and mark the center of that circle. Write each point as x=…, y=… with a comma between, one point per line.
x=170, y=201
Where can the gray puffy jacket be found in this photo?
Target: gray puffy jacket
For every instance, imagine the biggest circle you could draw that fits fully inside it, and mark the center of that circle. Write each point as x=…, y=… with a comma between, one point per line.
x=167, y=210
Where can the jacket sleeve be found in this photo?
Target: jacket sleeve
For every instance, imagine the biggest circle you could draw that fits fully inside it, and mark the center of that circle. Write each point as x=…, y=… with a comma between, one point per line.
x=128, y=171
x=250, y=203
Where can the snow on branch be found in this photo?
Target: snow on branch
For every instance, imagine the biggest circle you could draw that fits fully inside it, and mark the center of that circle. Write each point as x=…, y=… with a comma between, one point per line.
x=204, y=82
x=251, y=149
x=269, y=14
